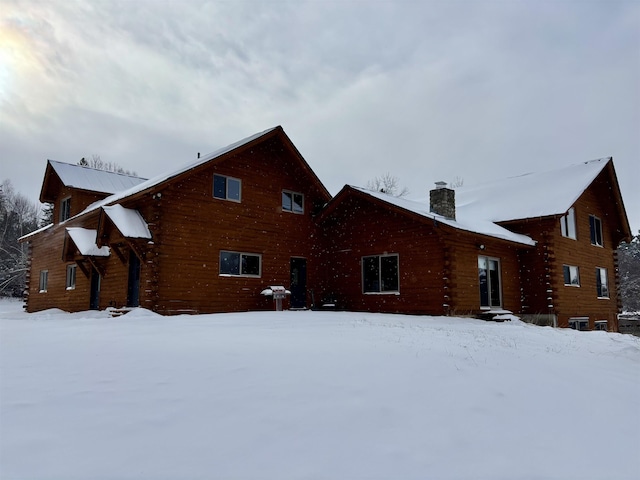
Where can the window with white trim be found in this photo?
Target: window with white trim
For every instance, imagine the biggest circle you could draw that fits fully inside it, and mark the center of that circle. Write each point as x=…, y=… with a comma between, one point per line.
x=71, y=276
x=292, y=202
x=44, y=280
x=240, y=264
x=380, y=274
x=601, y=325
x=568, y=224
x=489, y=278
x=602, y=282
x=595, y=227
x=571, y=275
x=65, y=209
x=579, y=323
x=227, y=188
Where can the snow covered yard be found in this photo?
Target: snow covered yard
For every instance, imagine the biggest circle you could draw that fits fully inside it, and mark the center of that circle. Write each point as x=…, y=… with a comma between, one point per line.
x=317, y=395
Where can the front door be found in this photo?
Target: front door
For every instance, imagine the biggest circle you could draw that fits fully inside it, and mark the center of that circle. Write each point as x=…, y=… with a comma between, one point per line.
x=94, y=299
x=133, y=288
x=298, y=283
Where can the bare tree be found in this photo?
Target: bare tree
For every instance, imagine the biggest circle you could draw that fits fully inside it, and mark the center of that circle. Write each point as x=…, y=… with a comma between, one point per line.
x=96, y=162
x=18, y=216
x=388, y=184
x=457, y=182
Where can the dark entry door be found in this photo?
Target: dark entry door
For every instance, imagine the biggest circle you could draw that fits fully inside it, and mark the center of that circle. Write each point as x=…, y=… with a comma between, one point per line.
x=133, y=288
x=94, y=299
x=298, y=283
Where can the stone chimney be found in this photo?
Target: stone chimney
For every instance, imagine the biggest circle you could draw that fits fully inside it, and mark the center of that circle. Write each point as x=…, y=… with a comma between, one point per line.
x=442, y=201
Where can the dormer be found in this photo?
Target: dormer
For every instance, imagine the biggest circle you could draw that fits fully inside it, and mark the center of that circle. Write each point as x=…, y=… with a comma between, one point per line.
x=72, y=188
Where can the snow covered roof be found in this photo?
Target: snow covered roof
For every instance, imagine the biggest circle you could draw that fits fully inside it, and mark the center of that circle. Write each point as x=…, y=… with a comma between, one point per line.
x=469, y=223
x=85, y=241
x=531, y=195
x=152, y=182
x=87, y=178
x=128, y=221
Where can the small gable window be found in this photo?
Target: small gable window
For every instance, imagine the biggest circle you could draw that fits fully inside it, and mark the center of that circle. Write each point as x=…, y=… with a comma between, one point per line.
x=571, y=275
x=240, y=264
x=71, y=277
x=568, y=224
x=65, y=209
x=380, y=274
x=595, y=225
x=227, y=188
x=44, y=280
x=602, y=283
x=292, y=202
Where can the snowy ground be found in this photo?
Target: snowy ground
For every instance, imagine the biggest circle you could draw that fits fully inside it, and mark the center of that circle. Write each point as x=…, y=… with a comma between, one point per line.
x=313, y=395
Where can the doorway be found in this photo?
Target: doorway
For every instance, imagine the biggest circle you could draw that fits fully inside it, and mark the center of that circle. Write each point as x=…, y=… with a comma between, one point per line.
x=298, y=282
x=94, y=297
x=133, y=286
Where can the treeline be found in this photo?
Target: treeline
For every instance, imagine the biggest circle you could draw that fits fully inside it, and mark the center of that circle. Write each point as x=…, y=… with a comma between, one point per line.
x=18, y=216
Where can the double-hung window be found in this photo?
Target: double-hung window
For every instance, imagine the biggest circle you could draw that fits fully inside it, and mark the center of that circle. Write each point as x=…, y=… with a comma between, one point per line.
x=595, y=226
x=571, y=275
x=602, y=283
x=601, y=325
x=44, y=280
x=65, y=209
x=292, y=202
x=240, y=264
x=489, y=278
x=227, y=188
x=568, y=224
x=71, y=276
x=380, y=274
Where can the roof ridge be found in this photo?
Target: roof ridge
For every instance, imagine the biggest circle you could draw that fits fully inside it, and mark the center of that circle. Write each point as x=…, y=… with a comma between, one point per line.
x=75, y=165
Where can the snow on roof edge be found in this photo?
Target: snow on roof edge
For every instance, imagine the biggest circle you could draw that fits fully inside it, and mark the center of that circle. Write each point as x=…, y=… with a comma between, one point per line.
x=152, y=182
x=483, y=227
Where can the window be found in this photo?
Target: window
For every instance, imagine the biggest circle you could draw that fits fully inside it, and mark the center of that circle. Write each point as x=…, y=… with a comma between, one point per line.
x=44, y=279
x=595, y=225
x=227, y=188
x=240, y=264
x=292, y=202
x=601, y=325
x=602, y=283
x=489, y=277
x=65, y=209
x=380, y=274
x=568, y=224
x=579, y=323
x=71, y=277
x=571, y=275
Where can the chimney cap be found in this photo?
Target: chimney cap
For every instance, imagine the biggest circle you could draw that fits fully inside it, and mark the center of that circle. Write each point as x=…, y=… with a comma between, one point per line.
x=441, y=184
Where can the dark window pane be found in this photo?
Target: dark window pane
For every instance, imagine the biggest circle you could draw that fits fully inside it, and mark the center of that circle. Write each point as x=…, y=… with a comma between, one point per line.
x=233, y=189
x=250, y=265
x=494, y=282
x=286, y=201
x=219, y=186
x=567, y=275
x=389, y=274
x=230, y=263
x=297, y=203
x=371, y=274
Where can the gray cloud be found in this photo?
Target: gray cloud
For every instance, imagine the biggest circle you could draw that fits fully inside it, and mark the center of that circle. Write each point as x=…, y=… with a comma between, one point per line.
x=427, y=90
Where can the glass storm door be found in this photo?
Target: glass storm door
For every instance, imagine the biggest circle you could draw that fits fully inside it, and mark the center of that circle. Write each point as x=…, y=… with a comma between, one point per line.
x=489, y=278
x=298, y=283
x=133, y=288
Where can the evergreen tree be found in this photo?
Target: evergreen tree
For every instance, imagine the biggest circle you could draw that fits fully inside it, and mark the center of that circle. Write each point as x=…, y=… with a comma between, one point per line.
x=629, y=268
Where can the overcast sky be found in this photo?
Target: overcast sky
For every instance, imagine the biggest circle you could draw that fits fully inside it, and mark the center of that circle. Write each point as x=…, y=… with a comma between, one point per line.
x=426, y=90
